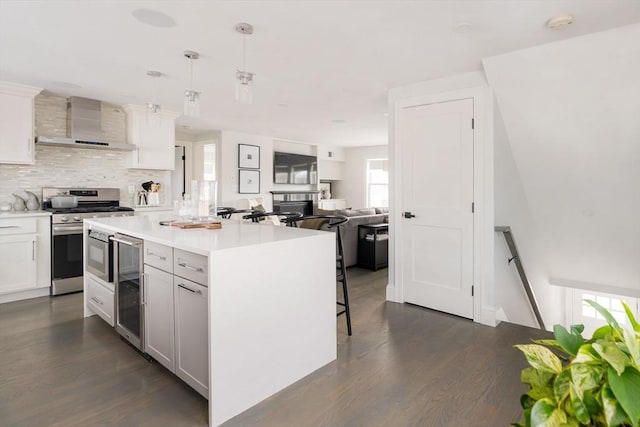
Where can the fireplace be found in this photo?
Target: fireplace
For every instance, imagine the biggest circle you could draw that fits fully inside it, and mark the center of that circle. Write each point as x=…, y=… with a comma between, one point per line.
x=305, y=202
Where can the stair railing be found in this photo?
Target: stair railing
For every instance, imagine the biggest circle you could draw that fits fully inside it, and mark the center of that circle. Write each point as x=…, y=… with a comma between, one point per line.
x=515, y=257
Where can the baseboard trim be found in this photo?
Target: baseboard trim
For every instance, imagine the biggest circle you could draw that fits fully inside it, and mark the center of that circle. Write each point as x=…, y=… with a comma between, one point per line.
x=31, y=293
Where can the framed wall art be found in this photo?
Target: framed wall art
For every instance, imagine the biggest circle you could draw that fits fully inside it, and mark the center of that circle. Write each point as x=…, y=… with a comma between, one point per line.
x=248, y=181
x=248, y=156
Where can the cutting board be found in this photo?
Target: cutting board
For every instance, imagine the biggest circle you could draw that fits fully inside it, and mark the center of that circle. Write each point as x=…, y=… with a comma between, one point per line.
x=209, y=225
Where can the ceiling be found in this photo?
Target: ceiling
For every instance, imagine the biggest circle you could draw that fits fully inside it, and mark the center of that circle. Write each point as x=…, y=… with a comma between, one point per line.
x=316, y=62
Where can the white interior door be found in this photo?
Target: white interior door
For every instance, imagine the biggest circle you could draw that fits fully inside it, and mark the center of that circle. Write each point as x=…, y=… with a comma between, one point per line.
x=436, y=143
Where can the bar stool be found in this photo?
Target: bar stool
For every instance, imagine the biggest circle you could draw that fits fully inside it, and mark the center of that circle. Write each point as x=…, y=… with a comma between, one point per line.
x=333, y=222
x=286, y=218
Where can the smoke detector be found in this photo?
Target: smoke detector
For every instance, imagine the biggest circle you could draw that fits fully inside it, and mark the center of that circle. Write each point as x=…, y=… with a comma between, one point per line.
x=560, y=21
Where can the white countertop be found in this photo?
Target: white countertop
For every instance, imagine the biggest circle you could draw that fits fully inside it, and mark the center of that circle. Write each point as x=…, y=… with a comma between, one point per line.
x=233, y=234
x=23, y=214
x=151, y=208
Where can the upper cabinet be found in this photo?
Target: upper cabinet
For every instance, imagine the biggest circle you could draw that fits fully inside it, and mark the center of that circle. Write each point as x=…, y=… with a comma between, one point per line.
x=154, y=140
x=330, y=162
x=329, y=152
x=16, y=123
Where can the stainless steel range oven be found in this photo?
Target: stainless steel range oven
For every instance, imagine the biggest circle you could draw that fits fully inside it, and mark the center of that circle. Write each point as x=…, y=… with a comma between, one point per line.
x=66, y=231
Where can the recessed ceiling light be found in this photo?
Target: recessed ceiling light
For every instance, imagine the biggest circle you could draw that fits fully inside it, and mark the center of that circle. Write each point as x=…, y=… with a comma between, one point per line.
x=339, y=121
x=560, y=21
x=66, y=85
x=462, y=27
x=155, y=18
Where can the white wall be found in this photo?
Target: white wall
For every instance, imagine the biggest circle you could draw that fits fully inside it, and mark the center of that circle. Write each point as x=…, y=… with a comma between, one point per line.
x=228, y=155
x=512, y=209
x=570, y=111
x=353, y=186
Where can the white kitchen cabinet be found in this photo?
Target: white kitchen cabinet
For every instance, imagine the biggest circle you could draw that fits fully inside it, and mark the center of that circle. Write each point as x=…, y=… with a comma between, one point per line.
x=154, y=141
x=16, y=123
x=330, y=170
x=101, y=300
x=18, y=255
x=25, y=254
x=192, y=343
x=159, y=316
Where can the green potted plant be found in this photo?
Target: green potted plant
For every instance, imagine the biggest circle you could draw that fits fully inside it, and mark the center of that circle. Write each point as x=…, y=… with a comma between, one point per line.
x=594, y=382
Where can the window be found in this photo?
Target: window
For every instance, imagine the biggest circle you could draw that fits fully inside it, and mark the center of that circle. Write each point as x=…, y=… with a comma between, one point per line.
x=209, y=162
x=378, y=183
x=583, y=313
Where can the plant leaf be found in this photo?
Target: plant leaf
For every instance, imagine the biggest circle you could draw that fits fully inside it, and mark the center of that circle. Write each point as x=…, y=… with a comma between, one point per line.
x=632, y=319
x=578, y=406
x=538, y=393
x=613, y=412
x=593, y=406
x=603, y=332
x=612, y=354
x=541, y=358
x=545, y=414
x=586, y=354
x=535, y=377
x=626, y=389
x=605, y=313
x=577, y=329
x=550, y=343
x=633, y=346
x=569, y=342
x=526, y=401
x=561, y=385
x=585, y=376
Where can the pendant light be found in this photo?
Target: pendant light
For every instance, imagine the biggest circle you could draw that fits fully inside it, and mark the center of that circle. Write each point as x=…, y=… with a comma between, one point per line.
x=153, y=108
x=244, y=79
x=191, y=97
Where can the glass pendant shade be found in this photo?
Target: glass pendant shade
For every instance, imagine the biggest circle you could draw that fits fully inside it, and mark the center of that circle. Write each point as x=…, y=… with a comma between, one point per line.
x=154, y=114
x=191, y=103
x=244, y=87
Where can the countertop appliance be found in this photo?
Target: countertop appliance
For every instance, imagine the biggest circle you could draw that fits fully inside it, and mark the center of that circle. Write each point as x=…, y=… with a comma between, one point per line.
x=129, y=288
x=66, y=231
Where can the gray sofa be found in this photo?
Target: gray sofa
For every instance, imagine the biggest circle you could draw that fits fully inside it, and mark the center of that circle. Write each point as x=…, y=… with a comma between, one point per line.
x=350, y=229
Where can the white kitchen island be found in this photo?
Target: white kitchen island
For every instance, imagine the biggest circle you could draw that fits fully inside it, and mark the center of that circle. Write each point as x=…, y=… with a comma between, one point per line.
x=271, y=303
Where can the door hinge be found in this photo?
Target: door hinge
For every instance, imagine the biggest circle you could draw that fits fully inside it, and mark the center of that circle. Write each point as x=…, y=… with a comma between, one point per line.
x=472, y=290
x=473, y=123
x=473, y=207
x=183, y=158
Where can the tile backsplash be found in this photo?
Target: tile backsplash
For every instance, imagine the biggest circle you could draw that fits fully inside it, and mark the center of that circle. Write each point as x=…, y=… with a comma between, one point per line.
x=78, y=167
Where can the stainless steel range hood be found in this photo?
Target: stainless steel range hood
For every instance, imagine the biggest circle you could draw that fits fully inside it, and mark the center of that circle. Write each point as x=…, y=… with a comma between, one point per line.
x=84, y=128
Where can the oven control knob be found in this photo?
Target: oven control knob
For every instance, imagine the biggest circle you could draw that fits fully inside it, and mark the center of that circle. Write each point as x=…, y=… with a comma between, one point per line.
x=77, y=218
x=64, y=219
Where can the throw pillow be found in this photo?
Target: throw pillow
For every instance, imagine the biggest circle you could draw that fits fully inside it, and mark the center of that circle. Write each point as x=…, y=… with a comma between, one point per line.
x=258, y=208
x=382, y=210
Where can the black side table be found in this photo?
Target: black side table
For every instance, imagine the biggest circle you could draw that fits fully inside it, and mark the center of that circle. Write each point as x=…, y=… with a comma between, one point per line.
x=373, y=246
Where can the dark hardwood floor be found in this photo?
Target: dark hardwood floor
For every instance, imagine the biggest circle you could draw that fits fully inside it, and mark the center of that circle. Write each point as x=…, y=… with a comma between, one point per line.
x=404, y=366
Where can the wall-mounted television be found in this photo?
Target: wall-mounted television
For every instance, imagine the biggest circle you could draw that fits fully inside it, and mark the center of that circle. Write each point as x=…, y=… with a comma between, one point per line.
x=289, y=168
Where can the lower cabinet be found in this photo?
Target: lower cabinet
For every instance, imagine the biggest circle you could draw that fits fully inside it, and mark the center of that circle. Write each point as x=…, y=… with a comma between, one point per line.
x=176, y=319
x=18, y=270
x=192, y=349
x=101, y=300
x=159, y=318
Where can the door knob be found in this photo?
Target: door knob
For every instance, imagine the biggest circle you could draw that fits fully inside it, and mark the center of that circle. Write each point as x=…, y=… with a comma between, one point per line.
x=409, y=215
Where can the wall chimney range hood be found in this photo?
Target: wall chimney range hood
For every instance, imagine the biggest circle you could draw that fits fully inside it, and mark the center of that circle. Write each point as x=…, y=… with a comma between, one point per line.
x=84, y=128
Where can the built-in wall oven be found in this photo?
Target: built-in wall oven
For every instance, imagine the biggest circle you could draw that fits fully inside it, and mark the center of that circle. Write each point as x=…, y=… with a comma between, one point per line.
x=99, y=254
x=129, y=288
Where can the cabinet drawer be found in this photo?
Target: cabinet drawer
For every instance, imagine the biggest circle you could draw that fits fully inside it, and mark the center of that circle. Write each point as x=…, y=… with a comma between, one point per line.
x=17, y=226
x=190, y=266
x=158, y=256
x=100, y=300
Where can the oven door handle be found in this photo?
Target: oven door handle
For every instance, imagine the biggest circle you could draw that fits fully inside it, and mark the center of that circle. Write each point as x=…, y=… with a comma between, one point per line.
x=61, y=230
x=125, y=242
